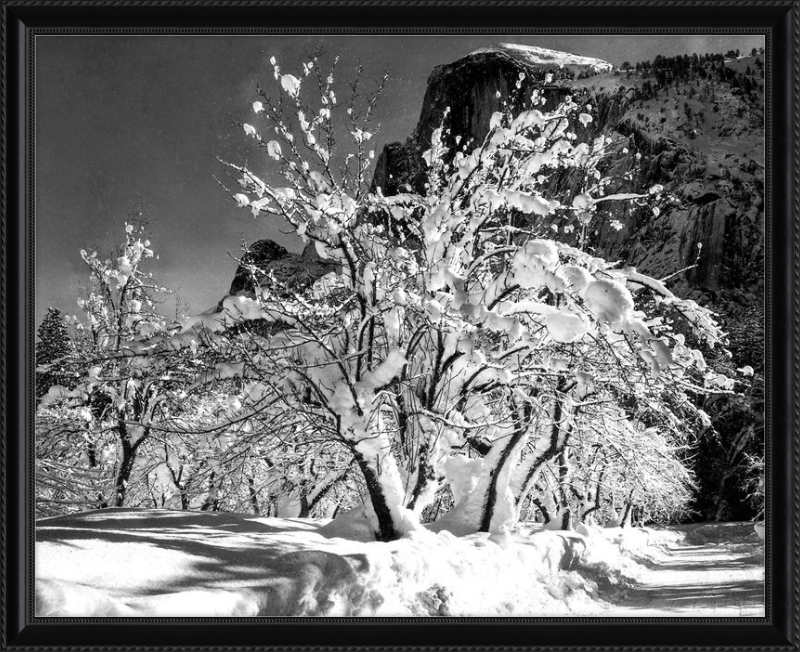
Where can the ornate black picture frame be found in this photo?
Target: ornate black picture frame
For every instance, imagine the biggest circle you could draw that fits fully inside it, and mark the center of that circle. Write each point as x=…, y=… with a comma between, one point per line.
x=779, y=21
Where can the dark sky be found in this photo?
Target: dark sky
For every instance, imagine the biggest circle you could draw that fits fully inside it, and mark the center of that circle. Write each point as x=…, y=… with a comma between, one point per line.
x=123, y=121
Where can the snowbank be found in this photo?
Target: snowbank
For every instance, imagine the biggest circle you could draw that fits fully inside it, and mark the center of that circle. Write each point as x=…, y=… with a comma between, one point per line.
x=162, y=563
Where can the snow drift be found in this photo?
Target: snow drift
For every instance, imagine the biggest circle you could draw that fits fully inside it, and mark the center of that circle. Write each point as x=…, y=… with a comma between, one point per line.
x=125, y=562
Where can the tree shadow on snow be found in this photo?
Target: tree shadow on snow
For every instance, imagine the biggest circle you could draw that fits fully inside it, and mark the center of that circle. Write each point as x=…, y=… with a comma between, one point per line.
x=743, y=593
x=223, y=551
x=132, y=520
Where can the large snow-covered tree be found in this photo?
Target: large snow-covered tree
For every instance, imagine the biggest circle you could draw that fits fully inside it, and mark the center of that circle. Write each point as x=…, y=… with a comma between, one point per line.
x=463, y=344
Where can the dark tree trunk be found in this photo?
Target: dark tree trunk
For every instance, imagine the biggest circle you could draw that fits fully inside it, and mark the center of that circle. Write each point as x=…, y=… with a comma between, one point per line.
x=386, y=527
x=305, y=510
x=521, y=421
x=91, y=451
x=719, y=499
x=251, y=486
x=424, y=476
x=211, y=502
x=184, y=497
x=558, y=441
x=626, y=514
x=540, y=506
x=491, y=492
x=183, y=490
x=563, y=478
x=124, y=472
x=598, y=498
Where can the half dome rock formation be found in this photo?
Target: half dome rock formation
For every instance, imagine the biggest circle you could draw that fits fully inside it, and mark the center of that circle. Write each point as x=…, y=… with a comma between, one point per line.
x=470, y=90
x=693, y=124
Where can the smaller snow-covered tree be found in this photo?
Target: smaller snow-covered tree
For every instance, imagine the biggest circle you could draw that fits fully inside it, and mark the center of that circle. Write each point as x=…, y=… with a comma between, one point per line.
x=122, y=391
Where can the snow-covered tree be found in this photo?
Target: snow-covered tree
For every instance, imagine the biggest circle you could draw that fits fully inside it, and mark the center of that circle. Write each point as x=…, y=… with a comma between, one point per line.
x=119, y=397
x=459, y=345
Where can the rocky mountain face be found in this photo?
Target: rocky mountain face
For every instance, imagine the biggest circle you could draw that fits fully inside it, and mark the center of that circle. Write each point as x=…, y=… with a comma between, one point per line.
x=693, y=125
x=268, y=264
x=470, y=90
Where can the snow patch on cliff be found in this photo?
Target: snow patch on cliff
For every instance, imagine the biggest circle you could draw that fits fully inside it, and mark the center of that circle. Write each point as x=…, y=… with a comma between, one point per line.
x=538, y=56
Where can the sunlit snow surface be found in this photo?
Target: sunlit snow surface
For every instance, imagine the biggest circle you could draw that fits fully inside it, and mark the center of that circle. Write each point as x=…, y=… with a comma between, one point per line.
x=537, y=56
x=115, y=563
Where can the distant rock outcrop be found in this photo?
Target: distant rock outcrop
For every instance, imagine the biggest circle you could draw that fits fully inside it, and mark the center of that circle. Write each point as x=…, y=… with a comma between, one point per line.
x=268, y=264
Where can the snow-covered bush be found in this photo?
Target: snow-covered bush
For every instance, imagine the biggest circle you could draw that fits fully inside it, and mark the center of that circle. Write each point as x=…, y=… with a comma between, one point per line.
x=458, y=344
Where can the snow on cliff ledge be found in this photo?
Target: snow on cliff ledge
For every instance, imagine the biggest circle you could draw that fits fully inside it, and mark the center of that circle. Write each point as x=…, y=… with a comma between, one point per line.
x=535, y=56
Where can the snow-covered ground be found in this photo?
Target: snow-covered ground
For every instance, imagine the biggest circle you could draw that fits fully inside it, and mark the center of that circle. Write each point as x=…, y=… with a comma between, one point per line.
x=712, y=570
x=165, y=563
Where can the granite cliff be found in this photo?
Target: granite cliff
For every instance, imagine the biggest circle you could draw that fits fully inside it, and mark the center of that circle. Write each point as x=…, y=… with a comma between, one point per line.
x=266, y=263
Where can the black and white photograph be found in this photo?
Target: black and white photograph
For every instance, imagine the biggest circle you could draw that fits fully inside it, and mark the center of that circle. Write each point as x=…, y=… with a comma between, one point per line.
x=400, y=325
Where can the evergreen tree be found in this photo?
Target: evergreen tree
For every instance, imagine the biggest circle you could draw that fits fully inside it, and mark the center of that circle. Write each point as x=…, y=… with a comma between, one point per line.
x=51, y=349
